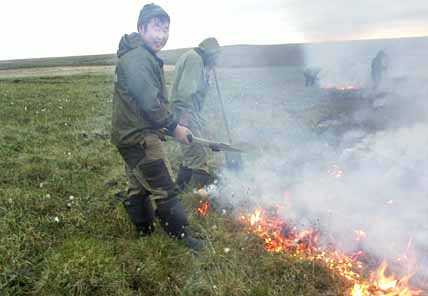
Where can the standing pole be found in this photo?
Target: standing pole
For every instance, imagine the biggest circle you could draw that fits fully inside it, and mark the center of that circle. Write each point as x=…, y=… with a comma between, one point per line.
x=223, y=112
x=233, y=159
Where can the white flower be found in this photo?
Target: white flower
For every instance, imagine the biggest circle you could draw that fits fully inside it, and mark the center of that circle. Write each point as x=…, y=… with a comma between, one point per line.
x=226, y=250
x=48, y=195
x=56, y=219
x=71, y=197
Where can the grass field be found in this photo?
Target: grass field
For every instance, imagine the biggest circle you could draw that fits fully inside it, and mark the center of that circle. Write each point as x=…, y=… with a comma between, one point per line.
x=62, y=232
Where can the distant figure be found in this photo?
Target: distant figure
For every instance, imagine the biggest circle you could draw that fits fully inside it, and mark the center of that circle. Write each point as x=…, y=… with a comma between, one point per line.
x=378, y=68
x=311, y=76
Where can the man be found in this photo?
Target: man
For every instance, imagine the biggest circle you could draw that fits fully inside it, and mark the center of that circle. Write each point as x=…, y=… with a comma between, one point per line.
x=378, y=67
x=140, y=110
x=188, y=95
x=311, y=76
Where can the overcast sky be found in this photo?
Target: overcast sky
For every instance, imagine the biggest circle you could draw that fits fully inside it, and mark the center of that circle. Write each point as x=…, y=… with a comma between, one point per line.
x=47, y=28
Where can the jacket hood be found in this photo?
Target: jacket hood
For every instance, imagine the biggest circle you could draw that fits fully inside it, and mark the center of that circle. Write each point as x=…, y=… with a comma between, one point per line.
x=129, y=42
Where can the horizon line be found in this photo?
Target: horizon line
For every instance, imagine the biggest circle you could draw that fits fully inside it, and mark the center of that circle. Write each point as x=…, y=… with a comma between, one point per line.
x=231, y=45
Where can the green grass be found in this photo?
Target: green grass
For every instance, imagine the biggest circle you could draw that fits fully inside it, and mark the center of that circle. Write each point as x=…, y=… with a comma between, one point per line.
x=62, y=234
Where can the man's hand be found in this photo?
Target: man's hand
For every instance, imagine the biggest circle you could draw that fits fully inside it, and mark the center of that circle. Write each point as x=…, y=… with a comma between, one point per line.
x=182, y=133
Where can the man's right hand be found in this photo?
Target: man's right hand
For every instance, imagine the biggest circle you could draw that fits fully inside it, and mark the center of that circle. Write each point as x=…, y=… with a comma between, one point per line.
x=182, y=133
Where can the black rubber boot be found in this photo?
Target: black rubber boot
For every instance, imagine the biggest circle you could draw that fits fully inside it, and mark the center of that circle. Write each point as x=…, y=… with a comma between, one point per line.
x=140, y=211
x=183, y=177
x=200, y=179
x=173, y=219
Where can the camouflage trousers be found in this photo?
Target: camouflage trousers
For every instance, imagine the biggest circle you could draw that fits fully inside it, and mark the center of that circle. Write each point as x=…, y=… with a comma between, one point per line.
x=195, y=156
x=148, y=169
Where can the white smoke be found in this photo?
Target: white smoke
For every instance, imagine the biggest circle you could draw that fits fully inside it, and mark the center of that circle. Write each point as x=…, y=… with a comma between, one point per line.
x=368, y=174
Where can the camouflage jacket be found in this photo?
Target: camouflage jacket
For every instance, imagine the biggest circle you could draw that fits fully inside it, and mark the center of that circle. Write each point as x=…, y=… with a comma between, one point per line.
x=140, y=97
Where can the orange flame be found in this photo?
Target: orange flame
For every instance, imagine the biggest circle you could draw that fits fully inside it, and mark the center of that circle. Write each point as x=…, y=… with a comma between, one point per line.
x=279, y=236
x=203, y=208
x=380, y=284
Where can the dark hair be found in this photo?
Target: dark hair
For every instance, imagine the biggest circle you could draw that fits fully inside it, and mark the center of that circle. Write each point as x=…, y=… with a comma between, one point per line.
x=150, y=11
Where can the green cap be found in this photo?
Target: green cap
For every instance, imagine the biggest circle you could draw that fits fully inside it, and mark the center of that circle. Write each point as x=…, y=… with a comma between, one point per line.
x=149, y=11
x=210, y=46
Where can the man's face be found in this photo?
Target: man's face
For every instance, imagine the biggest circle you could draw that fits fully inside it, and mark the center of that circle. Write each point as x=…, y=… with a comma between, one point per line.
x=155, y=34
